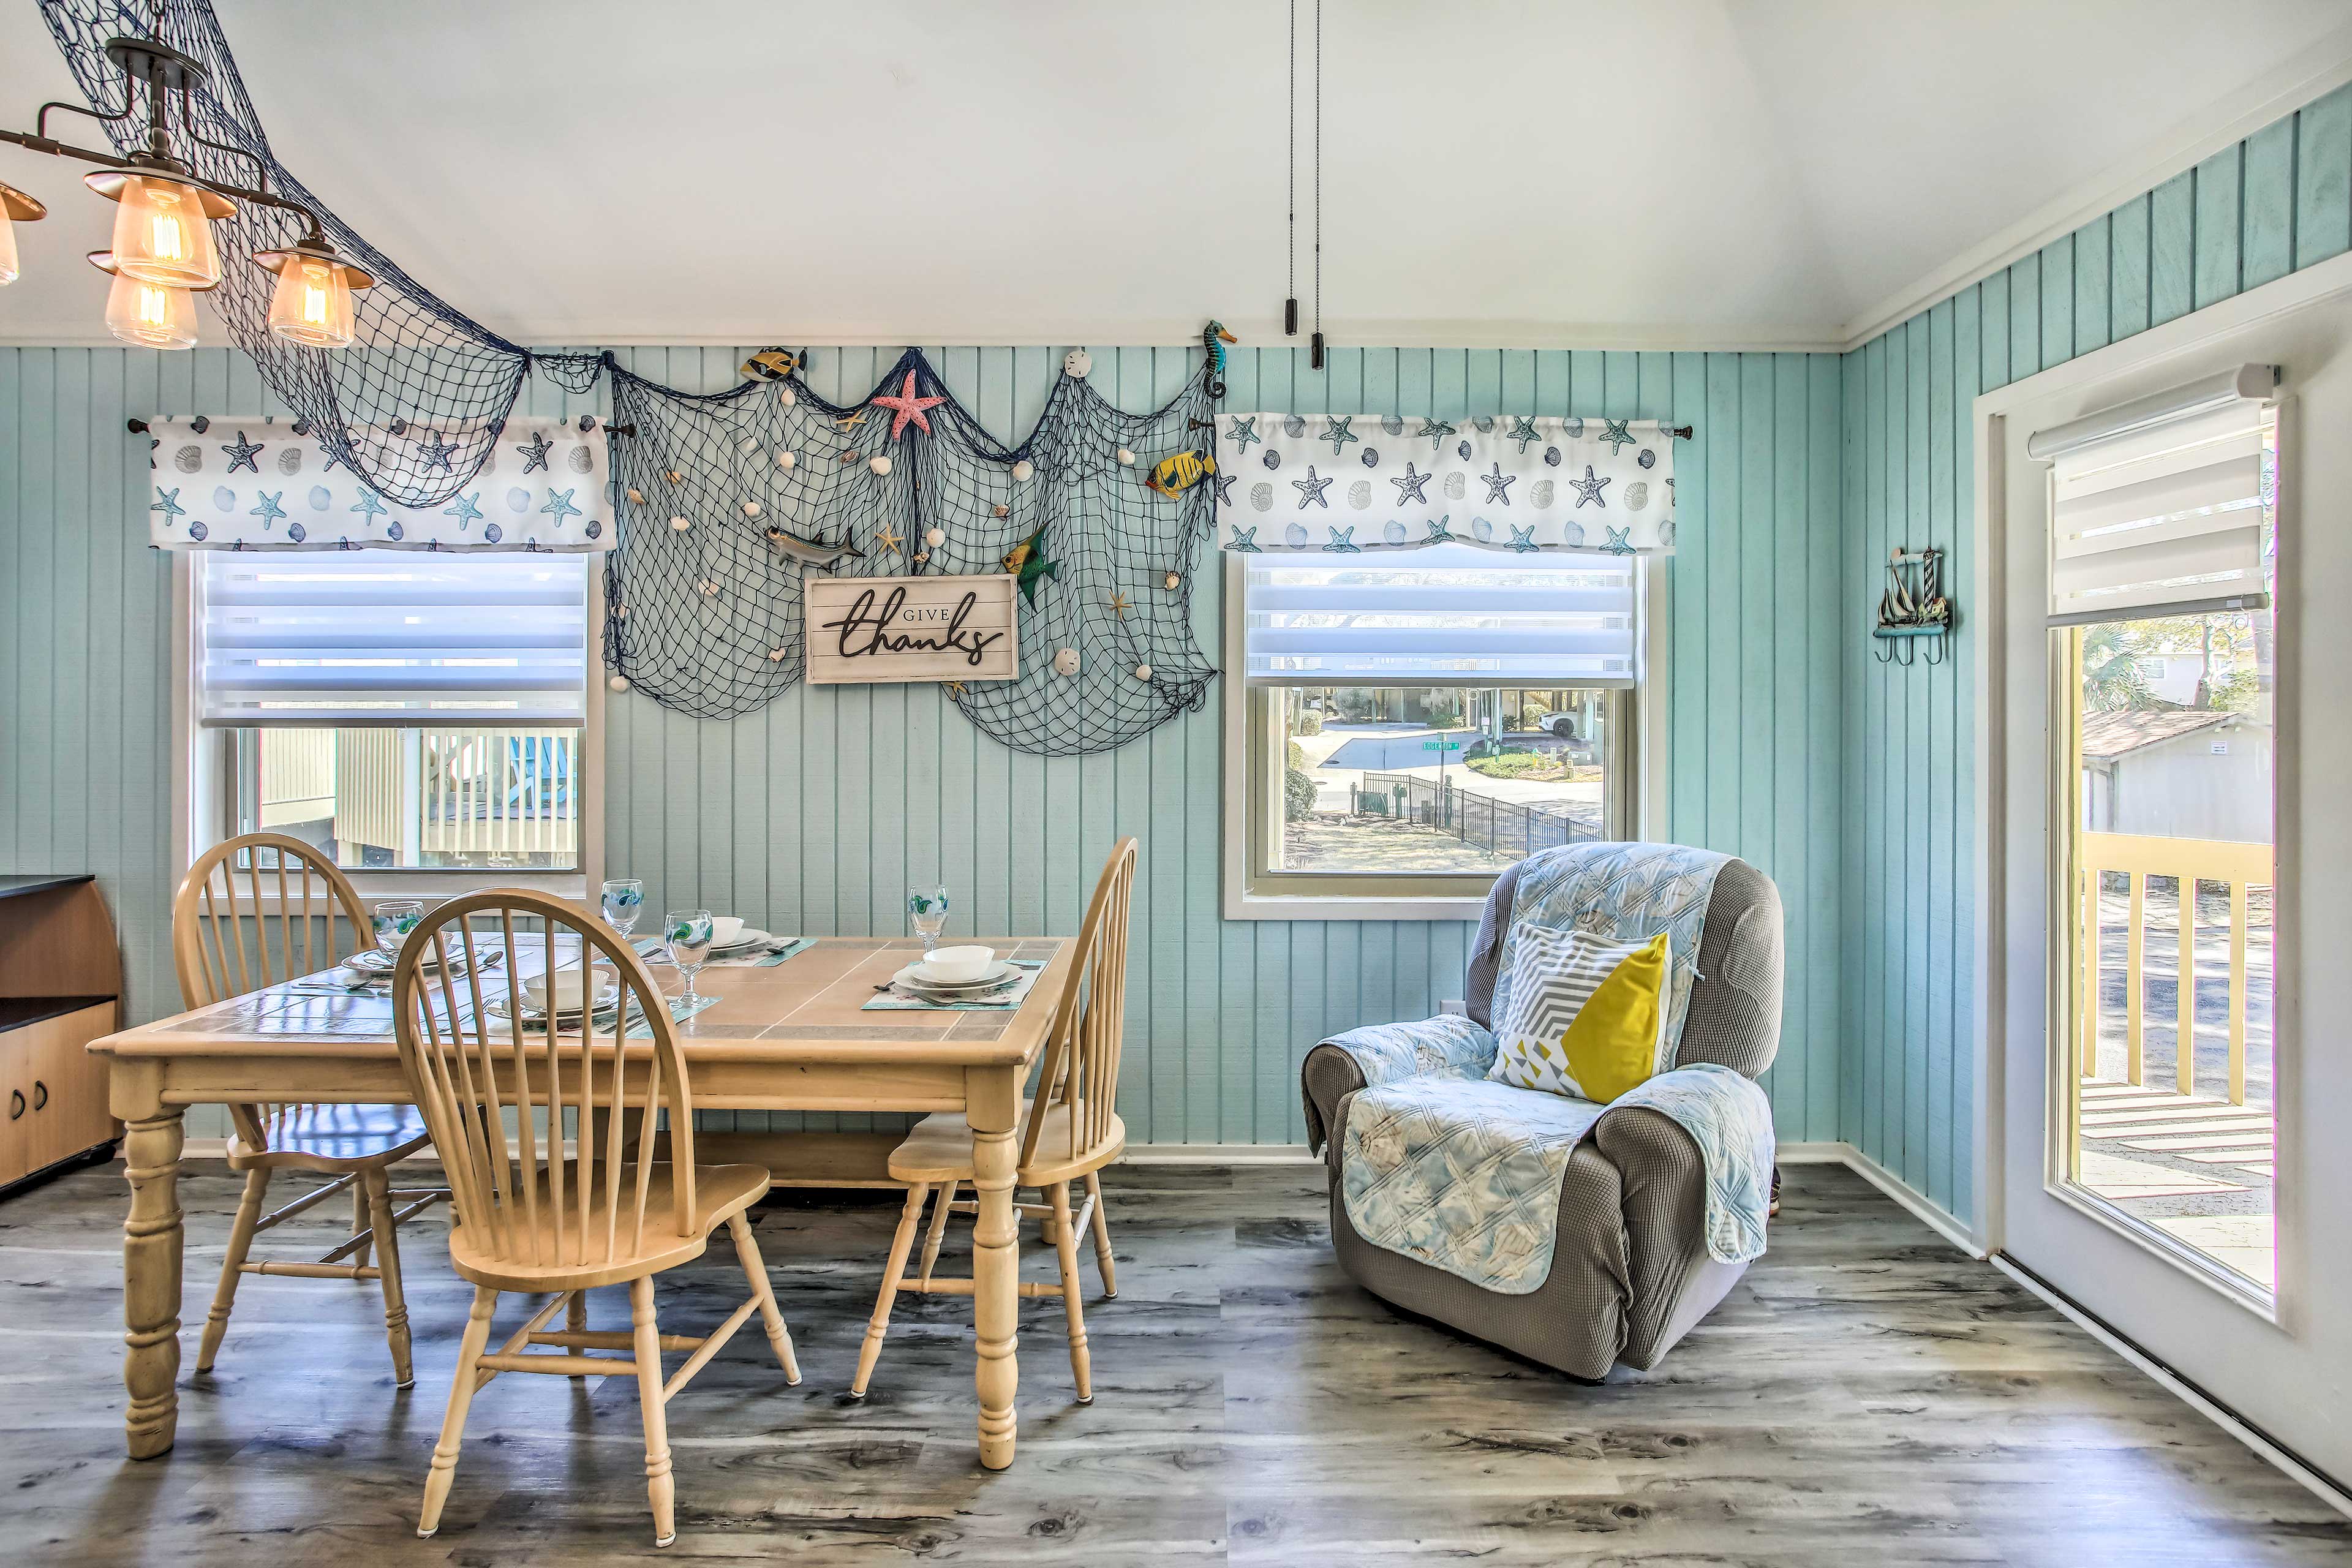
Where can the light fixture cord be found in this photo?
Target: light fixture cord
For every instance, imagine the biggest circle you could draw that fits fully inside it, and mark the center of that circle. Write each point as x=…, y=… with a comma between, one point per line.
x=1290, y=135
x=1317, y=355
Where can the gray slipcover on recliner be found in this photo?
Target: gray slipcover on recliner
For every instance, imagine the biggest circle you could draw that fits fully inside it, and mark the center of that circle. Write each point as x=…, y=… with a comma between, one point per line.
x=1630, y=1273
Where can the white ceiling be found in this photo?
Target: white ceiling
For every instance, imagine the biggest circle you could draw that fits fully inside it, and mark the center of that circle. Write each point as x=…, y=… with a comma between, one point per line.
x=1673, y=171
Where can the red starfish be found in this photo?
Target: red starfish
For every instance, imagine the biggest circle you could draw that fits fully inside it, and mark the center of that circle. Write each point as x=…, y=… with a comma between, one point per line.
x=908, y=408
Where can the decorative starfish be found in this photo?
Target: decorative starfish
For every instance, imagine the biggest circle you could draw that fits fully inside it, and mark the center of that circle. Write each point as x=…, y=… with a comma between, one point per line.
x=1523, y=432
x=1336, y=431
x=1311, y=488
x=1244, y=431
x=1436, y=430
x=1523, y=538
x=1498, y=485
x=370, y=507
x=466, y=511
x=168, y=504
x=559, y=505
x=1343, y=542
x=1588, y=489
x=1621, y=539
x=1119, y=606
x=845, y=421
x=1243, y=540
x=1616, y=435
x=1440, y=530
x=952, y=688
x=890, y=539
x=438, y=453
x=269, y=511
x=242, y=454
x=1412, y=485
x=909, y=407
x=1224, y=488
x=535, y=451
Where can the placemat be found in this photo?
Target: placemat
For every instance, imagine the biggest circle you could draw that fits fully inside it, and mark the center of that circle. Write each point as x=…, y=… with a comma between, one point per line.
x=1005, y=1001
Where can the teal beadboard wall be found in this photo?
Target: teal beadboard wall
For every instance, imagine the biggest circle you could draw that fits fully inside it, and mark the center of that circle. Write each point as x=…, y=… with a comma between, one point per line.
x=813, y=813
x=2277, y=201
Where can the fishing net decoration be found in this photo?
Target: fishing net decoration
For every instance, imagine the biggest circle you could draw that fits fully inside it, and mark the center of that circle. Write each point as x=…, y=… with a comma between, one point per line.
x=707, y=619
x=415, y=404
x=703, y=609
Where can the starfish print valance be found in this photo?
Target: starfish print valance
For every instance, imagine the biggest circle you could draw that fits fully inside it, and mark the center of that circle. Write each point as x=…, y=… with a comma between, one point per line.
x=1340, y=484
x=260, y=483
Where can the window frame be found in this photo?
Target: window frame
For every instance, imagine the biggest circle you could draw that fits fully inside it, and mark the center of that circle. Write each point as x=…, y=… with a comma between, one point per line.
x=1251, y=894
x=203, y=782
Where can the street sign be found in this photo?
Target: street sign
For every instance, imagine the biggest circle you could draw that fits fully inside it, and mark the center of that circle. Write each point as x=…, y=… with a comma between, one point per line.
x=1441, y=745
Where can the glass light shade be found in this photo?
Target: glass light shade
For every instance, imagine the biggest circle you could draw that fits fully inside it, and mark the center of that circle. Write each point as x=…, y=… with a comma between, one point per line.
x=7, y=250
x=313, y=305
x=162, y=236
x=150, y=315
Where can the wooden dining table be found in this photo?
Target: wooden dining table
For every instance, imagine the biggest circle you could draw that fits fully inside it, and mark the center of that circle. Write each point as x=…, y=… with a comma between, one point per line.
x=794, y=1037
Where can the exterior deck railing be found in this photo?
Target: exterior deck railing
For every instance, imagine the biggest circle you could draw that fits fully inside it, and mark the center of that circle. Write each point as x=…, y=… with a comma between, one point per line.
x=2194, y=862
x=424, y=792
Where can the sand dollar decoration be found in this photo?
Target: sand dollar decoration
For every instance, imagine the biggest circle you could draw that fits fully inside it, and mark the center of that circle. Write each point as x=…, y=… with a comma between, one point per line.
x=1077, y=364
x=1359, y=494
x=1065, y=661
x=1261, y=495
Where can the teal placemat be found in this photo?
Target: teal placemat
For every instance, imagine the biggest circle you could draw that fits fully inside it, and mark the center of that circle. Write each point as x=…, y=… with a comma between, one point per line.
x=1004, y=1002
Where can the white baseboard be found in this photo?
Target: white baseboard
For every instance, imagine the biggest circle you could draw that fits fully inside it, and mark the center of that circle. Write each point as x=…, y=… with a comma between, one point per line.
x=1923, y=1209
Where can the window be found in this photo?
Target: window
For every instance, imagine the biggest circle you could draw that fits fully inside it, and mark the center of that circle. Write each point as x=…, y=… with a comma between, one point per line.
x=405, y=710
x=1409, y=728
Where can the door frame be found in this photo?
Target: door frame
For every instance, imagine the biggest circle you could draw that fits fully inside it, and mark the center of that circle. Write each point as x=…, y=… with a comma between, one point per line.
x=1991, y=418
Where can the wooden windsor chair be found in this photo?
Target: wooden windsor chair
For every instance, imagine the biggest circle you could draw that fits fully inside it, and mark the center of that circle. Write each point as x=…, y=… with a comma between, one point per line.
x=224, y=946
x=1070, y=1131
x=532, y=1219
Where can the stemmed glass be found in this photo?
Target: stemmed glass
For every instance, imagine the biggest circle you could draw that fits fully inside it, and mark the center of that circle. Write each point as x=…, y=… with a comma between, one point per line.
x=927, y=910
x=625, y=897
x=688, y=932
x=393, y=919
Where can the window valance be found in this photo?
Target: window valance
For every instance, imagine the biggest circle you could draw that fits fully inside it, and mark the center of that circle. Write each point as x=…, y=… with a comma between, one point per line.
x=1341, y=484
x=223, y=483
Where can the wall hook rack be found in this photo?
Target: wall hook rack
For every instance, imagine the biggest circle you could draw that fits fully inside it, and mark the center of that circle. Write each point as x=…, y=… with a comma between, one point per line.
x=1915, y=617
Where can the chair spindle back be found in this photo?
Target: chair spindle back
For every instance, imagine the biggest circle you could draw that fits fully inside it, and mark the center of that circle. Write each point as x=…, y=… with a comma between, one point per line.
x=470, y=1068
x=1089, y=1030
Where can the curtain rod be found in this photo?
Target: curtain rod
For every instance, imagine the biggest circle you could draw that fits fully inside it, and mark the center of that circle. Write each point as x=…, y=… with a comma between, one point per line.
x=2247, y=382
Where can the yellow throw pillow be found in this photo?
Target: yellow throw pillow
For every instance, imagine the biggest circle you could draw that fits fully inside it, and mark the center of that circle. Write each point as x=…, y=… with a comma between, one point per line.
x=1585, y=1015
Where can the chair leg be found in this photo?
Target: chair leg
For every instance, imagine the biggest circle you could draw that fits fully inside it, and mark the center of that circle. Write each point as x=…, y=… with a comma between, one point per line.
x=461, y=1397
x=661, y=1487
x=1102, y=1236
x=377, y=1186
x=360, y=1221
x=576, y=1320
x=901, y=1244
x=779, y=1339
x=1066, y=1243
x=939, y=1230
x=240, y=1242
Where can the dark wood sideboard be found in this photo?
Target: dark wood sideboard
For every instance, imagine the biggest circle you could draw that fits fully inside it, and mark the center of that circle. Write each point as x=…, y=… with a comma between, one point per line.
x=60, y=988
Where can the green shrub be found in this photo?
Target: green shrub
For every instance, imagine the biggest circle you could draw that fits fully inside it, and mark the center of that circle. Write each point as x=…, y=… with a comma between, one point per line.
x=1308, y=722
x=1294, y=756
x=1297, y=794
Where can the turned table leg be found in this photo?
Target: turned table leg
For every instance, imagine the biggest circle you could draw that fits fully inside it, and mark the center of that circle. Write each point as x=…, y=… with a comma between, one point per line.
x=994, y=1109
x=151, y=1258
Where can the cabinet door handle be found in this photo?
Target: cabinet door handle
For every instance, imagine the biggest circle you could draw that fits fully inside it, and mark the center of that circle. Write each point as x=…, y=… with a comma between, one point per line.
x=15, y=1103
x=41, y=1095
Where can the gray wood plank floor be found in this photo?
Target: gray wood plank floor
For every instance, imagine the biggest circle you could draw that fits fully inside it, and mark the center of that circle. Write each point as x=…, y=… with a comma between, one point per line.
x=1866, y=1395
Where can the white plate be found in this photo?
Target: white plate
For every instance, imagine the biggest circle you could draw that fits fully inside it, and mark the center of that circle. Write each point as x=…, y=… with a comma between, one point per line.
x=749, y=939
x=380, y=962
x=998, y=976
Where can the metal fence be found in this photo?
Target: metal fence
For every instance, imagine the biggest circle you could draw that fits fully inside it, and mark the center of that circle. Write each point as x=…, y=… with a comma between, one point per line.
x=1505, y=827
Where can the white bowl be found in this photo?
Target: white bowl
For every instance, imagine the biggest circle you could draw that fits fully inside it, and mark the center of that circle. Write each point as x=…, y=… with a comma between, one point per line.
x=570, y=992
x=955, y=965
x=726, y=930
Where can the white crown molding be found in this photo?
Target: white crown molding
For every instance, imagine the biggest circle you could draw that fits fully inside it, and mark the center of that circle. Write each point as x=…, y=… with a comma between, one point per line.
x=2227, y=120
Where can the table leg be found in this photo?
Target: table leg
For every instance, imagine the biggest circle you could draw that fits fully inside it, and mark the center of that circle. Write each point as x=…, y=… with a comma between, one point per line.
x=993, y=1108
x=151, y=1258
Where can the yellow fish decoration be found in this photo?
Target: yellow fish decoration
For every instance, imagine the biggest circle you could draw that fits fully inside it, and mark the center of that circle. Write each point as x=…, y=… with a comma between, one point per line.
x=773, y=364
x=1180, y=472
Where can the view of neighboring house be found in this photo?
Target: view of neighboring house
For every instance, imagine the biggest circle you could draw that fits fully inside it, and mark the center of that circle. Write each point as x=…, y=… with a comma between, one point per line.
x=2177, y=773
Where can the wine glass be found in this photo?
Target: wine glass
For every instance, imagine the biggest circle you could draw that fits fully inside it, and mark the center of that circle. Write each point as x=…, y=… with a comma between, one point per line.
x=688, y=932
x=393, y=920
x=625, y=897
x=927, y=909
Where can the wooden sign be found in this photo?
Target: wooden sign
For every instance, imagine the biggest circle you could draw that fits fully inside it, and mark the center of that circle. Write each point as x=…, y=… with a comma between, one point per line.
x=878, y=630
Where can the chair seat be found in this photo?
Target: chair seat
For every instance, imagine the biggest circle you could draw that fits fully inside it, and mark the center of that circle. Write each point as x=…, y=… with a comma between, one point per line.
x=332, y=1137
x=720, y=1192
x=939, y=1149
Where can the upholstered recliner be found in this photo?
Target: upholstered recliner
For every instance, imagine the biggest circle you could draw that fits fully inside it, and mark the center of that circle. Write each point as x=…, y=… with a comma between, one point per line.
x=1630, y=1269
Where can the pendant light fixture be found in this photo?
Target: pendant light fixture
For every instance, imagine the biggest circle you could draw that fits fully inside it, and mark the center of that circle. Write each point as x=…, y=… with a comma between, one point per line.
x=16, y=208
x=164, y=252
x=144, y=314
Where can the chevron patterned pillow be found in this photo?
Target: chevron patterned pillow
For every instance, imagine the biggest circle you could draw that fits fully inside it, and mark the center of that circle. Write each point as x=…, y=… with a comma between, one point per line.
x=1586, y=1014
